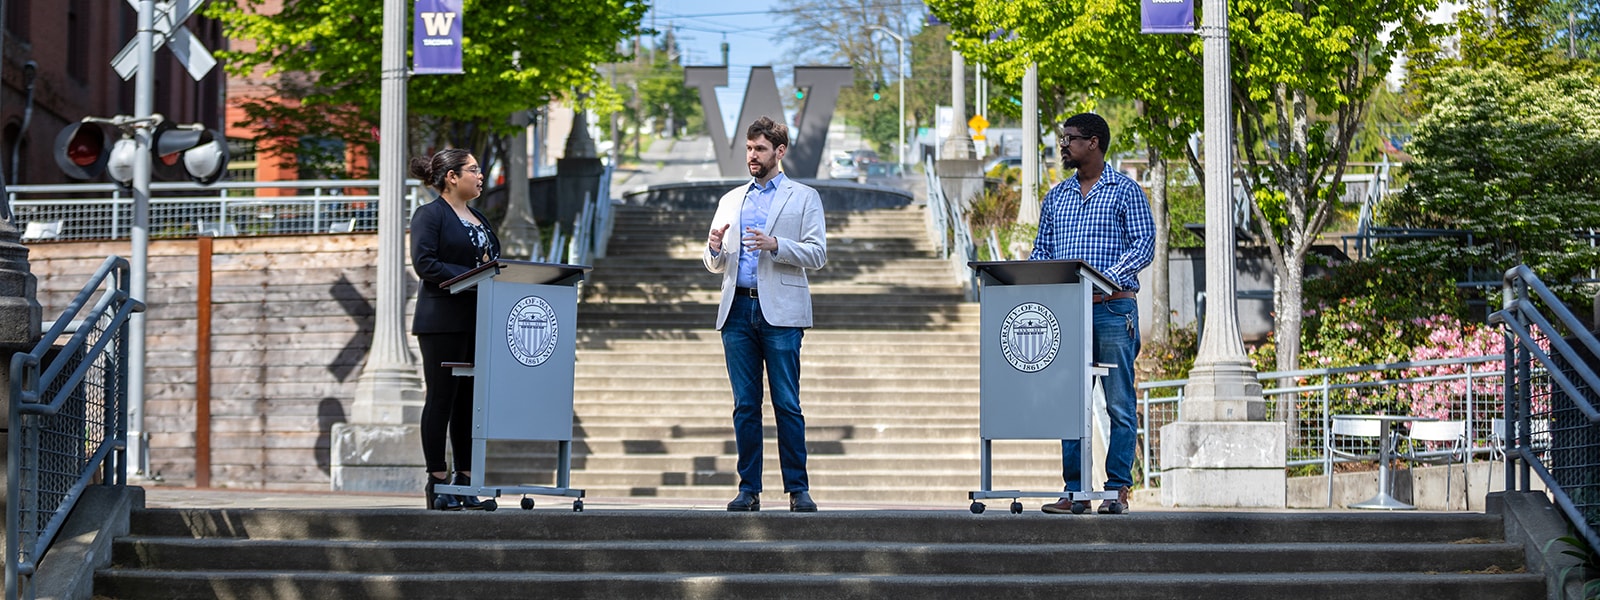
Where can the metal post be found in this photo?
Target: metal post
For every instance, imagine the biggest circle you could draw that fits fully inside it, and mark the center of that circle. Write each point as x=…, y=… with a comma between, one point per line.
x=144, y=83
x=899, y=44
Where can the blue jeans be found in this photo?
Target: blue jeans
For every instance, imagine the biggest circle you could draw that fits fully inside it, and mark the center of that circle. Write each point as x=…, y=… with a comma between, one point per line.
x=1116, y=341
x=748, y=341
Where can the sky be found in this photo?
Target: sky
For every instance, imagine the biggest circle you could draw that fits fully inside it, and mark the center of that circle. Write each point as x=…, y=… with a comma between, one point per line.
x=753, y=31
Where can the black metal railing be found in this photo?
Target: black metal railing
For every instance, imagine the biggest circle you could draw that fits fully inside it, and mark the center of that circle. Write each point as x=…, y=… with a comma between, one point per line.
x=1552, y=393
x=69, y=419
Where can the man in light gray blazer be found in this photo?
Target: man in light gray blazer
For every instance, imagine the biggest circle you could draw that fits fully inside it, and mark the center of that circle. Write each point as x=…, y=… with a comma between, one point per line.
x=766, y=306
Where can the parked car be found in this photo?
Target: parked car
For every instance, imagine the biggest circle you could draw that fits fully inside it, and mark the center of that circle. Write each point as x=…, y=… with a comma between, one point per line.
x=1010, y=162
x=842, y=166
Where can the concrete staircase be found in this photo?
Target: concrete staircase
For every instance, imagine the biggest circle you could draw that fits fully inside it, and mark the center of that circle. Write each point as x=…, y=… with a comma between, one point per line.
x=889, y=375
x=644, y=554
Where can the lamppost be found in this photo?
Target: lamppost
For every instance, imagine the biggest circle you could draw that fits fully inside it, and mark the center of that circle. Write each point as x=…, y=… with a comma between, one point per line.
x=899, y=45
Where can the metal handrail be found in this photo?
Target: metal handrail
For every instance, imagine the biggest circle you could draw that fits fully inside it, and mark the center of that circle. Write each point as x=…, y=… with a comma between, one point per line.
x=96, y=211
x=1539, y=351
x=53, y=402
x=944, y=216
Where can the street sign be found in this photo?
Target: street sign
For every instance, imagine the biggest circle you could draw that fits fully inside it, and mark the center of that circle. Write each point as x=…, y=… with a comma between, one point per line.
x=978, y=125
x=169, y=19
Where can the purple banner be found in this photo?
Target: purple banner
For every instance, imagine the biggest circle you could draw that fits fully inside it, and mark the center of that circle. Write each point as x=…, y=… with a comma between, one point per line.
x=436, y=37
x=1167, y=16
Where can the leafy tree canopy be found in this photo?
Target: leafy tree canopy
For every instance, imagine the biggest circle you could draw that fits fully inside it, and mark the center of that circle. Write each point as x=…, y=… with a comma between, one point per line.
x=322, y=58
x=1510, y=159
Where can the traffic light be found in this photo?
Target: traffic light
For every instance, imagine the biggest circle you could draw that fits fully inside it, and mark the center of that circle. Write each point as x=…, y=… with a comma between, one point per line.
x=799, y=94
x=877, y=91
x=87, y=149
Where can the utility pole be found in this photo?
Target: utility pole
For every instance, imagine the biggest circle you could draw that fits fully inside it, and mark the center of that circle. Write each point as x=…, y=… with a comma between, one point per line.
x=899, y=44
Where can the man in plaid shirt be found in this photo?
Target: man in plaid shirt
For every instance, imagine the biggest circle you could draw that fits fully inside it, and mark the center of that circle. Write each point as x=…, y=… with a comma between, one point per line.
x=1101, y=217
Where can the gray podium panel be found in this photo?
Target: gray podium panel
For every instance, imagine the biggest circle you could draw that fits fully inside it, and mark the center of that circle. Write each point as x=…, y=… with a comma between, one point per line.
x=524, y=361
x=1033, y=361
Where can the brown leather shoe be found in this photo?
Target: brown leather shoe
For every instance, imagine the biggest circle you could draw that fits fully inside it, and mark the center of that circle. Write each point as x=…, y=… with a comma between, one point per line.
x=1118, y=506
x=1065, y=506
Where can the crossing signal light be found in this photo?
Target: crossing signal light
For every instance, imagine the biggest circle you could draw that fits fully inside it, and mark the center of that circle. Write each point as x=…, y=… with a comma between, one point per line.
x=82, y=150
x=85, y=150
x=877, y=93
x=799, y=94
x=195, y=153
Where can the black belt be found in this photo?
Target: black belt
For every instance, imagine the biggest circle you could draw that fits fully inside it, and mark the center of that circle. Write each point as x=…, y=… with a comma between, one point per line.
x=1123, y=295
x=746, y=292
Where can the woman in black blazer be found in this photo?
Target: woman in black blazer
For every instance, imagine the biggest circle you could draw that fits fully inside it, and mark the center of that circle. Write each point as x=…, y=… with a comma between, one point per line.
x=448, y=238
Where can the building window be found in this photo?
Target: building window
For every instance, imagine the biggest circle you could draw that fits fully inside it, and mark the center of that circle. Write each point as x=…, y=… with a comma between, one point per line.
x=17, y=19
x=242, y=162
x=77, y=38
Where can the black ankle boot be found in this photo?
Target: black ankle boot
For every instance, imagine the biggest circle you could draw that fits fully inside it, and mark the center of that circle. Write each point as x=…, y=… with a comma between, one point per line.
x=439, y=501
x=467, y=502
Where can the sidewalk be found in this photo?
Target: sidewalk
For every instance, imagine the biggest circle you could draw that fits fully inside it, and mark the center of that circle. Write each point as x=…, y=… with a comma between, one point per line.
x=180, y=497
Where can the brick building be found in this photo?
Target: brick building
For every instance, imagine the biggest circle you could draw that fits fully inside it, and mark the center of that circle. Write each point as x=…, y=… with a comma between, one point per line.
x=71, y=51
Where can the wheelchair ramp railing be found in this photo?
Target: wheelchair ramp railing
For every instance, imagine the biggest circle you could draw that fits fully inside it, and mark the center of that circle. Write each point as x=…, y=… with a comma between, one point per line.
x=1552, y=393
x=69, y=419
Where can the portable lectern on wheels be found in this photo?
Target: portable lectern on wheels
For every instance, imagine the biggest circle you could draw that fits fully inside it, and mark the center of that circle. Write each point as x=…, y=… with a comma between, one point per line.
x=523, y=366
x=1036, y=371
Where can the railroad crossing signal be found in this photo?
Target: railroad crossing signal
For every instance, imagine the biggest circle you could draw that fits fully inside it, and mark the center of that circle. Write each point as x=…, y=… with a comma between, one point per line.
x=169, y=18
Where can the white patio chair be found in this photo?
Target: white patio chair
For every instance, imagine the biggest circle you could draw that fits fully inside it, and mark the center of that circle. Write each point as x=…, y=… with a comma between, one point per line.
x=344, y=227
x=1355, y=439
x=1449, y=441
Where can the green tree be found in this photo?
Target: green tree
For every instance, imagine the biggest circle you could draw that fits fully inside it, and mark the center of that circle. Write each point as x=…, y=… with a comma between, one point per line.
x=1510, y=159
x=321, y=61
x=1303, y=74
x=840, y=32
x=1514, y=33
x=1098, y=59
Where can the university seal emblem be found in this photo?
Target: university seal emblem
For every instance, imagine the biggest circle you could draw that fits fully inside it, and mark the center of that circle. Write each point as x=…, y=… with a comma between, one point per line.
x=1030, y=337
x=531, y=331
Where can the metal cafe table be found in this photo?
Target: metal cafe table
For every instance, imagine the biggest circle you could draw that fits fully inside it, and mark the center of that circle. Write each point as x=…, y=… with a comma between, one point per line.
x=1387, y=424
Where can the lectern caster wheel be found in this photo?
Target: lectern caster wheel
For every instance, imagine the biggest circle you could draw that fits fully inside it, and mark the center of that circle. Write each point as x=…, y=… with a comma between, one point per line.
x=1079, y=508
x=527, y=504
x=577, y=506
x=977, y=508
x=1016, y=507
x=490, y=505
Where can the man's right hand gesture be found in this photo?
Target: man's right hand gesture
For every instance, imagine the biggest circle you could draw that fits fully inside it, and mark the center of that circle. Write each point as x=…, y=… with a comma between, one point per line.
x=715, y=240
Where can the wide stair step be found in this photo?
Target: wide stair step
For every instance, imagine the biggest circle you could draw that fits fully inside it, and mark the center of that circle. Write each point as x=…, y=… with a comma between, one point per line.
x=555, y=553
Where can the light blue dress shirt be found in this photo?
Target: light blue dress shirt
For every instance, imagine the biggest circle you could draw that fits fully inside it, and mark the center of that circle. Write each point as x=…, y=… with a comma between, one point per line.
x=757, y=203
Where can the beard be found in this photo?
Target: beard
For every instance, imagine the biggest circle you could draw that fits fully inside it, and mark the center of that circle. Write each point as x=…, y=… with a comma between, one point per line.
x=1070, y=163
x=759, y=170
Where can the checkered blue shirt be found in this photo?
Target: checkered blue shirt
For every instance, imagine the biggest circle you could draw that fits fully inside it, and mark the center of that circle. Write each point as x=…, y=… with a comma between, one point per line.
x=1112, y=229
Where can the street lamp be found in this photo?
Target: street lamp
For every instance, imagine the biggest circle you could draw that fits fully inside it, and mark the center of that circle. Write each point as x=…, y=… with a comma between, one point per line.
x=899, y=44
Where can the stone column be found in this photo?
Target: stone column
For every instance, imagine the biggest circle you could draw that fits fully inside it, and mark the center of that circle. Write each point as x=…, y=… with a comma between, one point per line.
x=380, y=449
x=1223, y=452
x=19, y=329
x=960, y=170
x=578, y=174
